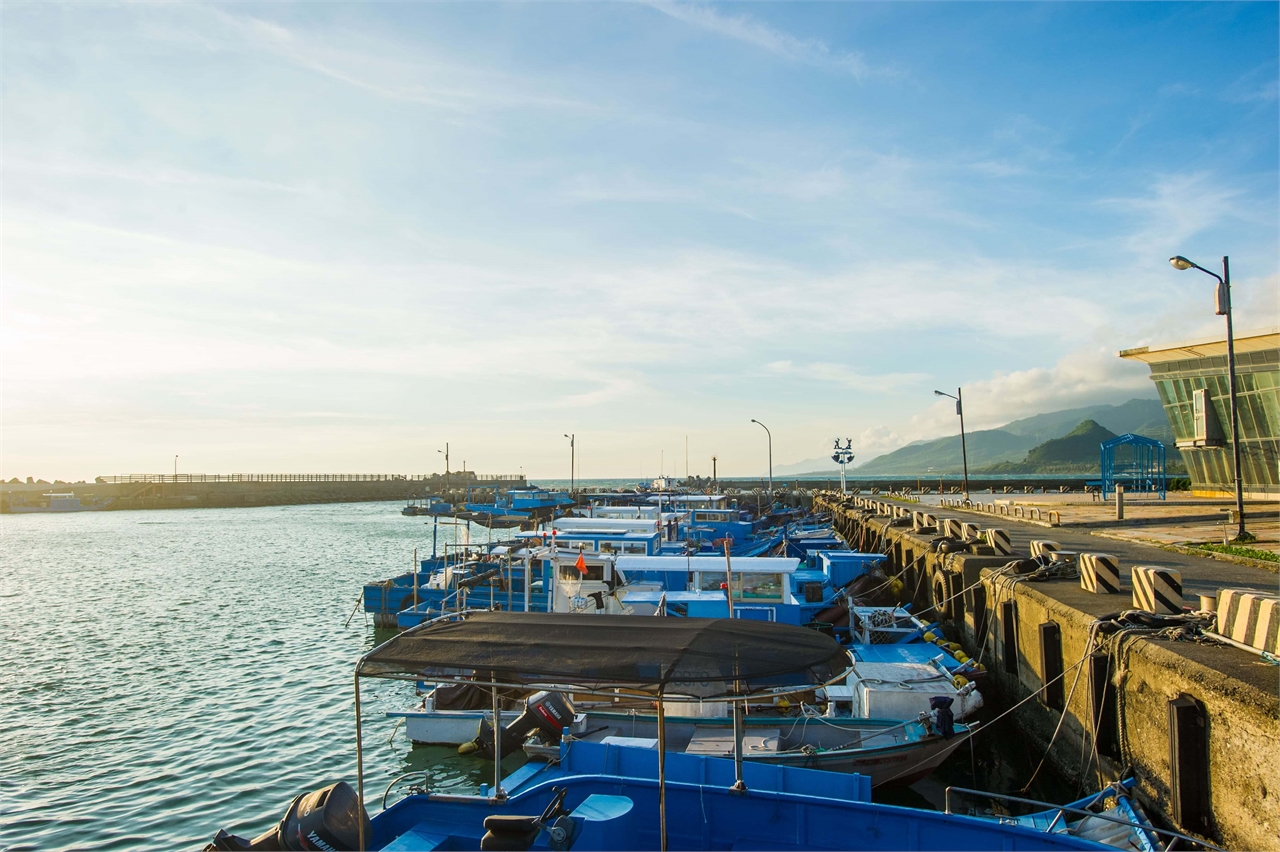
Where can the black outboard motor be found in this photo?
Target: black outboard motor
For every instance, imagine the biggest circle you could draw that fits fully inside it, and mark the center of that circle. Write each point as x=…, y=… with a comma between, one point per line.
x=327, y=820
x=548, y=712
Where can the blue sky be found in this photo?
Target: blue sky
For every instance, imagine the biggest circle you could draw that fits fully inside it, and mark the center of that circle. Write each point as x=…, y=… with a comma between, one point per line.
x=332, y=237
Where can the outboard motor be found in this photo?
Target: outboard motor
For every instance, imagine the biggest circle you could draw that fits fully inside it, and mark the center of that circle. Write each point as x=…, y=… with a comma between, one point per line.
x=548, y=712
x=326, y=820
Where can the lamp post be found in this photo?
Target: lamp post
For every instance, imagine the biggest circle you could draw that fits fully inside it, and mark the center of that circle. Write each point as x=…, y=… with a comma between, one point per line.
x=1222, y=307
x=445, y=453
x=571, y=462
x=964, y=453
x=770, y=434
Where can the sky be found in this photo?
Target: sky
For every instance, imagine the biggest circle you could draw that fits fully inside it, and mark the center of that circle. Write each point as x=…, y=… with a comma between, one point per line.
x=330, y=237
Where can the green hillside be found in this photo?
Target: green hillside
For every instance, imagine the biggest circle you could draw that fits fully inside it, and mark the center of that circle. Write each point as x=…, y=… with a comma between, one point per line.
x=1079, y=451
x=943, y=455
x=1011, y=442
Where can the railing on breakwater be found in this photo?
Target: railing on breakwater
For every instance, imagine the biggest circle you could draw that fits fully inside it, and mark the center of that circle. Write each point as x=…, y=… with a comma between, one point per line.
x=164, y=478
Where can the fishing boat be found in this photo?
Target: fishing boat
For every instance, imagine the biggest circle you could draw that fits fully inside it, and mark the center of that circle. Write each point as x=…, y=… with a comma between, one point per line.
x=621, y=793
x=57, y=503
x=428, y=505
x=514, y=507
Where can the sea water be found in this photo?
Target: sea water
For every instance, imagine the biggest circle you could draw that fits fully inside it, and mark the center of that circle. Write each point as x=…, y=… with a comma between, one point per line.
x=164, y=674
x=167, y=673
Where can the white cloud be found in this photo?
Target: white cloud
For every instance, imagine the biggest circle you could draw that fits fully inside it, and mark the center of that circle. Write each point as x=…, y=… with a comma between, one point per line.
x=842, y=376
x=1178, y=207
x=755, y=32
x=1087, y=376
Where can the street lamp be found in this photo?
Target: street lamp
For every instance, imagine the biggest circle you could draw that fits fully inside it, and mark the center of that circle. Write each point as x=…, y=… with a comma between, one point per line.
x=964, y=453
x=770, y=434
x=445, y=453
x=1222, y=307
x=571, y=463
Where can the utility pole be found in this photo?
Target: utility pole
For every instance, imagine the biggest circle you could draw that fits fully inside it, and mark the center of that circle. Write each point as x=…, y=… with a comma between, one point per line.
x=572, y=461
x=714, y=478
x=445, y=453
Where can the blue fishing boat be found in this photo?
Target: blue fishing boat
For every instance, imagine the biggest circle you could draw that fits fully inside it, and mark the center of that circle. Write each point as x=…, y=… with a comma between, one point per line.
x=625, y=793
x=428, y=505
x=514, y=507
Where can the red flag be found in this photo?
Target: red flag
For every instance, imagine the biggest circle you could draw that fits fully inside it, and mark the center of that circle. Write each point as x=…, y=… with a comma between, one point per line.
x=581, y=564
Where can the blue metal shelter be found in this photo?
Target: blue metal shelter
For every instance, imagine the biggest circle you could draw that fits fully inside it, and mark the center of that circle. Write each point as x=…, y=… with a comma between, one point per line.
x=1138, y=466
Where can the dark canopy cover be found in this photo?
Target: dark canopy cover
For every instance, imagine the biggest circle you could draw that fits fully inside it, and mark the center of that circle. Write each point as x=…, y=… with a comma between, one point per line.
x=700, y=657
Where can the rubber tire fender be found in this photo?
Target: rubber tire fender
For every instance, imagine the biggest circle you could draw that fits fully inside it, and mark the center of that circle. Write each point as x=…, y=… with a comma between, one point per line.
x=938, y=590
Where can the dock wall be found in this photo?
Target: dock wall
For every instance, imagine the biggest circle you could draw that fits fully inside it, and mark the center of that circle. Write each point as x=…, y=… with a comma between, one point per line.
x=1197, y=724
x=201, y=492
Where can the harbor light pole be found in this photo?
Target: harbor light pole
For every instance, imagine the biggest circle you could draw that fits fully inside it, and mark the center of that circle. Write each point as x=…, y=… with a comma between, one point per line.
x=445, y=453
x=572, y=461
x=964, y=453
x=1222, y=307
x=770, y=434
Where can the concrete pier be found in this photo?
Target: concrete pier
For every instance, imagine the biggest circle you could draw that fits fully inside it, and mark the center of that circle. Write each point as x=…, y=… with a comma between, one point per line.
x=1198, y=724
x=199, y=491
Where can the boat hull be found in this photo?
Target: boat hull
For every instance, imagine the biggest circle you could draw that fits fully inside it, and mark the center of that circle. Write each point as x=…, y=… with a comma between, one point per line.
x=891, y=753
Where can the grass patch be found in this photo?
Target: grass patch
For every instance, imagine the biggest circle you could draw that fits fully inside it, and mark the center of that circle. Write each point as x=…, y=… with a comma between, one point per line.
x=1237, y=550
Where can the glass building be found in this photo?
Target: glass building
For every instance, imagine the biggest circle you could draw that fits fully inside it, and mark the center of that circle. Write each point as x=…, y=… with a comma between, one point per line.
x=1191, y=378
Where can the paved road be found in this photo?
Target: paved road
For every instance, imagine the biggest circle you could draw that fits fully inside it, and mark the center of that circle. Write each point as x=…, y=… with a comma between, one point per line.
x=1200, y=575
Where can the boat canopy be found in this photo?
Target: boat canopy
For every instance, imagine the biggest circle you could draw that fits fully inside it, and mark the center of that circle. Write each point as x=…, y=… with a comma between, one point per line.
x=710, y=562
x=696, y=657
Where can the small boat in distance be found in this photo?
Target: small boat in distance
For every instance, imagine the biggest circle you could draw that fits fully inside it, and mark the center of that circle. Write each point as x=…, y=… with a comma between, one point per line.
x=58, y=502
x=427, y=505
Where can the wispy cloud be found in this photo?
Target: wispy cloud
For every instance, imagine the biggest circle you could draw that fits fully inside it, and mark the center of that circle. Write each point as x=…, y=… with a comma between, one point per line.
x=753, y=31
x=1259, y=85
x=1176, y=207
x=844, y=376
x=382, y=68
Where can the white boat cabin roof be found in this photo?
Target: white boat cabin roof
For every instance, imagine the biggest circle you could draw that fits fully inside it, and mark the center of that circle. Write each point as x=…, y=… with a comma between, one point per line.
x=741, y=564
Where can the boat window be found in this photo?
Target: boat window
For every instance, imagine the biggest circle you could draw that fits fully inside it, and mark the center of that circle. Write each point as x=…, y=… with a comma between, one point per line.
x=569, y=571
x=634, y=547
x=710, y=581
x=610, y=546
x=765, y=586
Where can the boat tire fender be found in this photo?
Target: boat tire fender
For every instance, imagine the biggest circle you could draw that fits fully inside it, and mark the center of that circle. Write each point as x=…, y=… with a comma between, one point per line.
x=941, y=606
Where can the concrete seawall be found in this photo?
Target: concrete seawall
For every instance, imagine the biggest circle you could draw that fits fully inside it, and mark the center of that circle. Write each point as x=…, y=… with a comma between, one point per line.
x=252, y=490
x=1197, y=724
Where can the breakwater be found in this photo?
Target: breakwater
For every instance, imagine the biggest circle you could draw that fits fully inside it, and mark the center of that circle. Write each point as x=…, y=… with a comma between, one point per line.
x=209, y=491
x=1195, y=723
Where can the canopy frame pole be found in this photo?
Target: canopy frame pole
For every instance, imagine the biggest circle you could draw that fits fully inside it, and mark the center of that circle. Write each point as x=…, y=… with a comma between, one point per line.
x=359, y=762
x=528, y=579
x=662, y=776
x=728, y=576
x=509, y=591
x=739, y=786
x=498, y=795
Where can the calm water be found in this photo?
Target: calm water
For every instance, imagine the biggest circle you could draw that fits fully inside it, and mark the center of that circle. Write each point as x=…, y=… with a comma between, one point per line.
x=165, y=674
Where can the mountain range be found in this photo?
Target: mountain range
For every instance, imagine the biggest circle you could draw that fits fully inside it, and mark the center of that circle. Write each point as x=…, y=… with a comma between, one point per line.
x=1009, y=443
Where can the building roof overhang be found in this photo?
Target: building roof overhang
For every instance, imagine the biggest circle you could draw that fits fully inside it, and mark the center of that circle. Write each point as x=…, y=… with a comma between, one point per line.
x=1207, y=347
